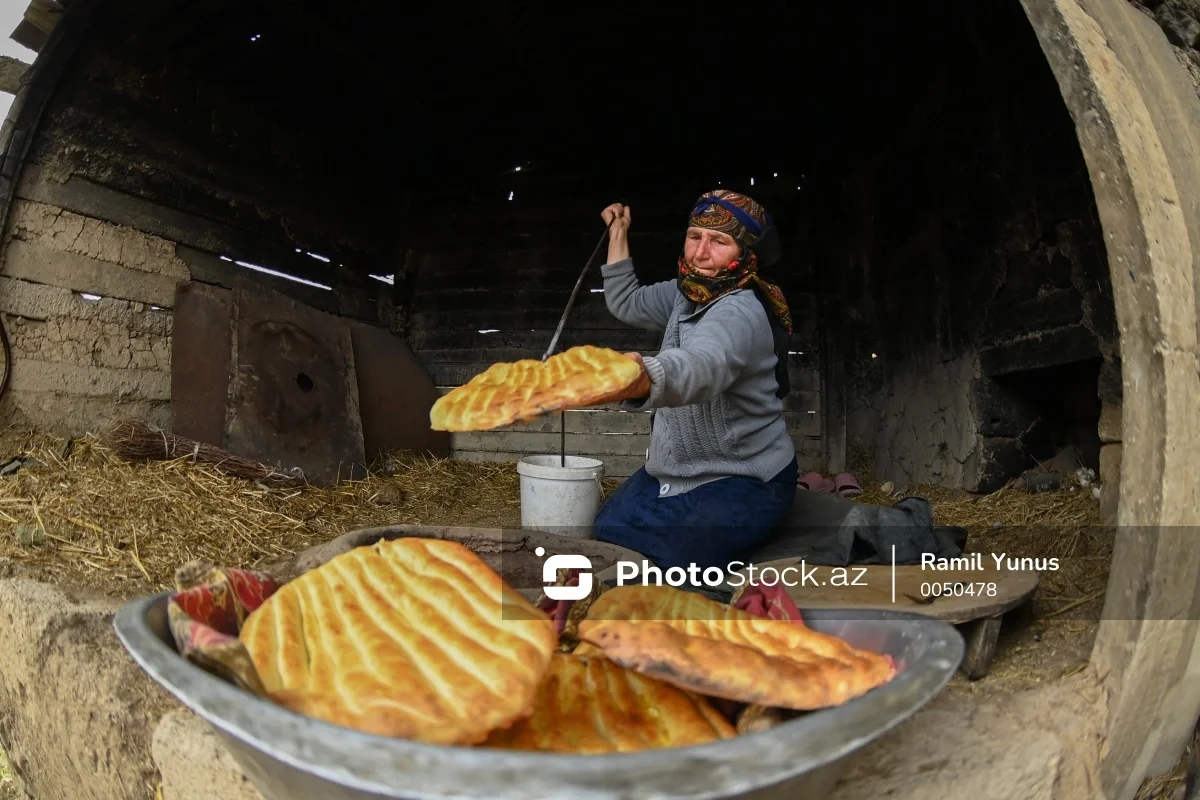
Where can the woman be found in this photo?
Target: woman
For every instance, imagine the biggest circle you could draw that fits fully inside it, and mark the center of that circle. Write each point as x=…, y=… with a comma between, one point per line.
x=721, y=470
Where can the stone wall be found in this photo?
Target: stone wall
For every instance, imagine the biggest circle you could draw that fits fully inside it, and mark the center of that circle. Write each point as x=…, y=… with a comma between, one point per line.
x=965, y=250
x=87, y=307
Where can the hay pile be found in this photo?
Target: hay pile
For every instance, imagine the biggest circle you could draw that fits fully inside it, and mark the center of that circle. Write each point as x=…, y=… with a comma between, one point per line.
x=79, y=515
x=1063, y=524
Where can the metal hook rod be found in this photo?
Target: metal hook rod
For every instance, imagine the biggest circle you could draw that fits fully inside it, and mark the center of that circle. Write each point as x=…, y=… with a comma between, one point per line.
x=562, y=415
x=578, y=283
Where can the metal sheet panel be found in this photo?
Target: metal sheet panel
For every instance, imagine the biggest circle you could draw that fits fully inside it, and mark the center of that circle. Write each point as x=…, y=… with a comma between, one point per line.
x=201, y=352
x=395, y=394
x=294, y=398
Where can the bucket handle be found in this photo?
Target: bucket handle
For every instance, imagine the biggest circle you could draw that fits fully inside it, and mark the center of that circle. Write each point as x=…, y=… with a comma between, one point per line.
x=599, y=485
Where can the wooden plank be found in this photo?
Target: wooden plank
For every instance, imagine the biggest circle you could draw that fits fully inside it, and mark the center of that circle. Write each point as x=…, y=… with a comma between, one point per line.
x=533, y=270
x=578, y=421
x=621, y=444
x=90, y=199
x=456, y=373
x=559, y=278
x=614, y=466
x=493, y=355
x=799, y=423
x=806, y=400
x=536, y=341
x=44, y=14
x=803, y=423
x=346, y=302
x=566, y=257
x=28, y=35
x=809, y=445
x=981, y=647
x=834, y=403
x=460, y=299
x=609, y=444
x=803, y=380
x=515, y=319
x=496, y=353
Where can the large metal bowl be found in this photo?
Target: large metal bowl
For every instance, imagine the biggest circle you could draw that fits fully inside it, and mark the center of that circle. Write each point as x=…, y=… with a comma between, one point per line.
x=292, y=757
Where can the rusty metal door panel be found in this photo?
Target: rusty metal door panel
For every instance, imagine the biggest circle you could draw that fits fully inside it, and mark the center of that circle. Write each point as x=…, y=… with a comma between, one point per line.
x=201, y=352
x=294, y=396
x=395, y=395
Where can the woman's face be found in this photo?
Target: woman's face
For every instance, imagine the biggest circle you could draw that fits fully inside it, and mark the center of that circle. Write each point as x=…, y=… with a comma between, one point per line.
x=709, y=251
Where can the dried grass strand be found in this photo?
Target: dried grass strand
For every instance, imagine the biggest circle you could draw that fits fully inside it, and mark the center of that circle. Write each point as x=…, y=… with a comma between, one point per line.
x=123, y=527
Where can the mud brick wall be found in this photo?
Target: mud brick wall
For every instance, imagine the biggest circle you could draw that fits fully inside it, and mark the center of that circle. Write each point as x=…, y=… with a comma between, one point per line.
x=87, y=307
x=142, y=174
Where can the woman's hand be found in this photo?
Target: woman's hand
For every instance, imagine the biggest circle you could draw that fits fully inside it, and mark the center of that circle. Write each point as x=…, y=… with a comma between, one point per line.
x=638, y=390
x=641, y=387
x=618, y=218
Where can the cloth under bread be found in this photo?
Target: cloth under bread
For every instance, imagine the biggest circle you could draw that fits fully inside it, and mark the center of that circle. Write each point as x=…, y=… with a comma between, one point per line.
x=206, y=614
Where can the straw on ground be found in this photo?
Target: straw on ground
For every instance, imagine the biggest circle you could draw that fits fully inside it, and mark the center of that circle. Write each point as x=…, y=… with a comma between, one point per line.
x=86, y=517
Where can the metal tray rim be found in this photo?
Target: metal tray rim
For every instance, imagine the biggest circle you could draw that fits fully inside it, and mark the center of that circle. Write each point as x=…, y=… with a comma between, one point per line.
x=380, y=765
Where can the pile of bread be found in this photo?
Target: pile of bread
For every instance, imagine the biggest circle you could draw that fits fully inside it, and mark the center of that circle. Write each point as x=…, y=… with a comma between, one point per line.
x=420, y=639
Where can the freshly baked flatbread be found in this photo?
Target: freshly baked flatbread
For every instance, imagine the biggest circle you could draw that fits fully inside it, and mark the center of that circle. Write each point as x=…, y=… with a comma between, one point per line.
x=589, y=706
x=713, y=649
x=520, y=391
x=585, y=650
x=413, y=638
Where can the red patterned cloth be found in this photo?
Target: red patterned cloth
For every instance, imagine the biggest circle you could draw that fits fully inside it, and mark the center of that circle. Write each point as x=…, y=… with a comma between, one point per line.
x=560, y=609
x=768, y=601
x=206, y=614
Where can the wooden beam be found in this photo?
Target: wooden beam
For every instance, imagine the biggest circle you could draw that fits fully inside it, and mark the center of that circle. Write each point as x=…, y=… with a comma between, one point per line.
x=12, y=70
x=27, y=35
x=90, y=199
x=44, y=15
x=210, y=269
x=833, y=388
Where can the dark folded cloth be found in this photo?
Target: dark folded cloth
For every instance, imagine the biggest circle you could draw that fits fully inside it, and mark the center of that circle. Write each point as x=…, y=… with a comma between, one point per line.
x=828, y=530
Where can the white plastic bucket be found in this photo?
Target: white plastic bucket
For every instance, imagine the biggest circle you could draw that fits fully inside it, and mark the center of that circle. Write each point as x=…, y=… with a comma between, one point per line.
x=560, y=495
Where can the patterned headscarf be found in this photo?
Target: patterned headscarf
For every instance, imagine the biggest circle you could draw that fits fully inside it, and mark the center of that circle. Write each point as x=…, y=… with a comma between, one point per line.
x=746, y=221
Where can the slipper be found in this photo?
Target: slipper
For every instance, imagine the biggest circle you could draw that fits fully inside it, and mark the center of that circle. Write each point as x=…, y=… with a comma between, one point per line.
x=815, y=482
x=845, y=485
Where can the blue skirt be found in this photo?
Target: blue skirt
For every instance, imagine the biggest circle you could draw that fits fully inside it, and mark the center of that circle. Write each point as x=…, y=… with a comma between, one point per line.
x=715, y=523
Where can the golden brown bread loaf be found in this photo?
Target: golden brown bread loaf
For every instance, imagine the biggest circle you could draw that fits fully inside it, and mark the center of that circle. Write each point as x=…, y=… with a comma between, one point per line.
x=413, y=638
x=713, y=649
x=520, y=391
x=588, y=706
